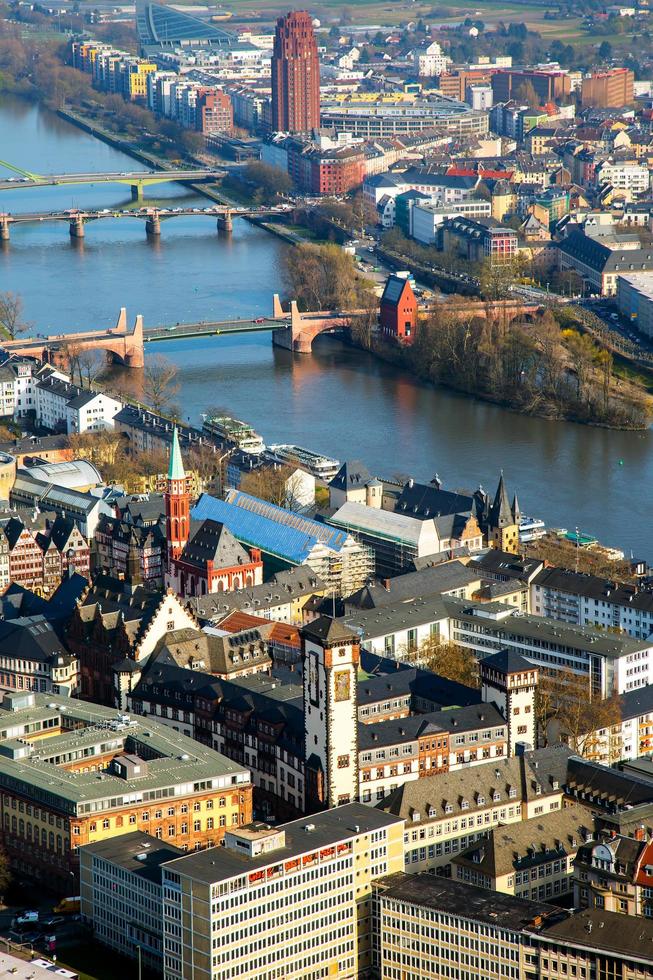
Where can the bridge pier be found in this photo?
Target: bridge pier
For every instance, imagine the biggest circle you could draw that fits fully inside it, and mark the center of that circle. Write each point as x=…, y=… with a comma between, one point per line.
x=137, y=192
x=226, y=223
x=4, y=229
x=153, y=225
x=77, y=228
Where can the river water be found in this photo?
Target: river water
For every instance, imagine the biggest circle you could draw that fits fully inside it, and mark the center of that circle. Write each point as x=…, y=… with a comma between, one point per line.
x=338, y=401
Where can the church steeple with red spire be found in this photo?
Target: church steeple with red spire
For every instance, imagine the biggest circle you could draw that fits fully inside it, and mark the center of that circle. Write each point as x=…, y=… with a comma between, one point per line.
x=177, y=501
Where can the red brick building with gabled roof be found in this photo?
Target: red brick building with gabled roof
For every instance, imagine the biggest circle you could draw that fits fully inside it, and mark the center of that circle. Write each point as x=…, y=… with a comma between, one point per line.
x=398, y=314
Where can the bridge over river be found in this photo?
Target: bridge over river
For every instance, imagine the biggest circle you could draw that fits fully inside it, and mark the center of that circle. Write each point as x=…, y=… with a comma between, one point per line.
x=152, y=217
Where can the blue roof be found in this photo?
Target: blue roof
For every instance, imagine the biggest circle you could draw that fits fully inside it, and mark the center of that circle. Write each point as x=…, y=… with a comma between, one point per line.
x=276, y=531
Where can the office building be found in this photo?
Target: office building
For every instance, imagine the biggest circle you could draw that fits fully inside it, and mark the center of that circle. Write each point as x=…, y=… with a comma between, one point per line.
x=73, y=773
x=289, y=902
x=431, y=927
x=295, y=75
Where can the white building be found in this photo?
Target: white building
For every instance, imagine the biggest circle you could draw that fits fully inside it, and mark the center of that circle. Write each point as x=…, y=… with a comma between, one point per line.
x=632, y=177
x=289, y=902
x=587, y=600
x=480, y=97
x=510, y=681
x=426, y=217
x=62, y=406
x=430, y=61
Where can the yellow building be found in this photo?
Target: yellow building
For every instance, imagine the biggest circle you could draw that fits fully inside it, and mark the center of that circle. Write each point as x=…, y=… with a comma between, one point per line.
x=135, y=79
x=290, y=902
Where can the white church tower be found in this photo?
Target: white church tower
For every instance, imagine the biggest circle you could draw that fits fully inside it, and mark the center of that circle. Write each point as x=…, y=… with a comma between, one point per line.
x=510, y=681
x=330, y=654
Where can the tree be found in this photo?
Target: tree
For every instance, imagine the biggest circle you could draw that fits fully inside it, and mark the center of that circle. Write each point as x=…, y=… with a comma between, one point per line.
x=447, y=659
x=496, y=279
x=159, y=387
x=324, y=277
x=5, y=873
x=527, y=95
x=269, y=181
x=583, y=352
x=280, y=485
x=605, y=51
x=12, y=323
x=90, y=364
x=579, y=718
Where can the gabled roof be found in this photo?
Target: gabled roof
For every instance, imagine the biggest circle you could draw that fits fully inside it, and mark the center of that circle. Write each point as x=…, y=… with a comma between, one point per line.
x=351, y=475
x=395, y=288
x=426, y=501
x=259, y=524
x=211, y=541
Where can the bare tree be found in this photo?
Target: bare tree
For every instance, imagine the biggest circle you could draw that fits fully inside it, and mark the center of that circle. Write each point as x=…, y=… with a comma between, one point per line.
x=159, y=386
x=588, y=724
x=90, y=364
x=281, y=485
x=11, y=315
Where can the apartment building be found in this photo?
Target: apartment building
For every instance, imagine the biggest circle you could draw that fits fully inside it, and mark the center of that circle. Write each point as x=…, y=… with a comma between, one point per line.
x=291, y=902
x=73, y=773
x=588, y=600
x=446, y=815
x=395, y=752
x=532, y=860
x=62, y=406
x=627, y=176
x=615, y=873
x=605, y=89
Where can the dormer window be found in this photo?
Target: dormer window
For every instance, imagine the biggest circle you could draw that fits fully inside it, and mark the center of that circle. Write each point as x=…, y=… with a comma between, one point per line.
x=512, y=792
x=496, y=796
x=464, y=805
x=448, y=808
x=480, y=800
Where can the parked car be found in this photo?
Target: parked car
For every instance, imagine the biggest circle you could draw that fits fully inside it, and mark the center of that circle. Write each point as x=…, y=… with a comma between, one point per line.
x=26, y=917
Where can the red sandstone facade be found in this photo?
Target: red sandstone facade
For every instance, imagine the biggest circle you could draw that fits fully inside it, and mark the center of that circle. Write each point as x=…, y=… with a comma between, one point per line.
x=295, y=75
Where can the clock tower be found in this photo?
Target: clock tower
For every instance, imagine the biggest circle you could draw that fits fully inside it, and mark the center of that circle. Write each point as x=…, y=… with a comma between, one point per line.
x=330, y=655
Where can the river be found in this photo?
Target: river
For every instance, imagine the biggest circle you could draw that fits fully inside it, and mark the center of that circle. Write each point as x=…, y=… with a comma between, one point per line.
x=338, y=401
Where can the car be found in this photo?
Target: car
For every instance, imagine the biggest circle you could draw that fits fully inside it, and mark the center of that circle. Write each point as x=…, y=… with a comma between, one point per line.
x=260, y=319
x=31, y=937
x=26, y=917
x=51, y=921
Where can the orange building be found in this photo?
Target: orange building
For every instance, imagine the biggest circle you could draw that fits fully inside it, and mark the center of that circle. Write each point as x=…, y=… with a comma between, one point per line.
x=608, y=89
x=72, y=773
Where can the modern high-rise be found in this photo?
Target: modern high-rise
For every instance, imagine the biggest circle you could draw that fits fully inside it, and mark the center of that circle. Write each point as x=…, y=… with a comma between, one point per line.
x=295, y=75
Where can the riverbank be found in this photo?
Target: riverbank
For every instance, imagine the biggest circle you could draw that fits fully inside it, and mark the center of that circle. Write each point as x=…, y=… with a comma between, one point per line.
x=407, y=360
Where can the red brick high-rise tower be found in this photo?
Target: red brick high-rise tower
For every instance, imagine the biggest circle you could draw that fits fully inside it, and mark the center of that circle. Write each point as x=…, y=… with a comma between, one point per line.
x=177, y=503
x=295, y=75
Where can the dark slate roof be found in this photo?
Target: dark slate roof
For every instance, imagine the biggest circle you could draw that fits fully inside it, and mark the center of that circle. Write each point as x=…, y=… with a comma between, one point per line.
x=352, y=474
x=464, y=719
x=394, y=290
x=504, y=564
x=433, y=580
x=594, y=587
x=637, y=702
x=13, y=530
x=425, y=501
x=29, y=638
x=422, y=685
x=508, y=661
x=328, y=630
x=602, y=259
x=61, y=531
x=603, y=785
x=212, y=541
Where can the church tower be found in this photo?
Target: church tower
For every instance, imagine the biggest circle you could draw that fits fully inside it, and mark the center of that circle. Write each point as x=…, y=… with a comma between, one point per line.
x=502, y=522
x=510, y=681
x=330, y=655
x=177, y=502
